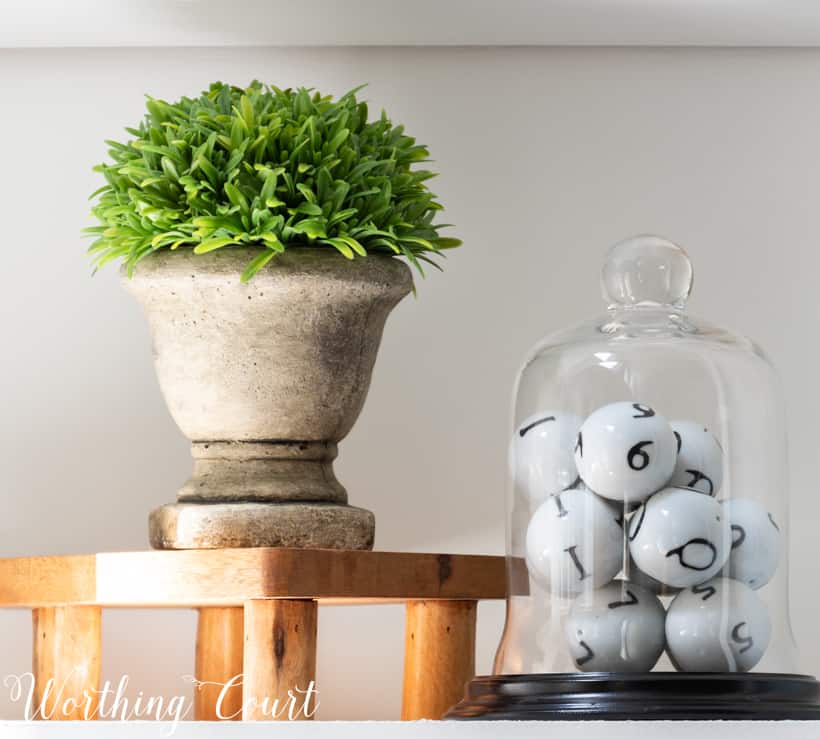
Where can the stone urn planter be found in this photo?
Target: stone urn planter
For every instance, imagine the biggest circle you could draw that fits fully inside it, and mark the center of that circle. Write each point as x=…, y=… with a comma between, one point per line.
x=265, y=379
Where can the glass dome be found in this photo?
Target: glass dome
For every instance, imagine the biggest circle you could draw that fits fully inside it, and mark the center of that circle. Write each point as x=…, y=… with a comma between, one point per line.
x=647, y=513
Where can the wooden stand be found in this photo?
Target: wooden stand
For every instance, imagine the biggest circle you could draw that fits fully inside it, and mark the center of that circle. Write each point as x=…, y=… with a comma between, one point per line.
x=220, y=639
x=439, y=656
x=286, y=631
x=66, y=649
x=257, y=632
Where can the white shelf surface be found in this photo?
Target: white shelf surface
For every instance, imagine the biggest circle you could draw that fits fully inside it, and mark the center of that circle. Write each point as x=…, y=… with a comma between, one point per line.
x=416, y=730
x=92, y=23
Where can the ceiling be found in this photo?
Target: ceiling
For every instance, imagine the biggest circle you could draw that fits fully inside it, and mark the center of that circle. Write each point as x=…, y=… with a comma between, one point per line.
x=59, y=23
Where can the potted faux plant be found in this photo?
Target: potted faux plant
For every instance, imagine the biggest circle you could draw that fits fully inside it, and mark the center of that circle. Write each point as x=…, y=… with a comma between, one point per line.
x=258, y=228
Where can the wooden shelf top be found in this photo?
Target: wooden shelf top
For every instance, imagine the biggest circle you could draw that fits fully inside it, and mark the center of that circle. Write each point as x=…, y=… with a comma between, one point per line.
x=174, y=579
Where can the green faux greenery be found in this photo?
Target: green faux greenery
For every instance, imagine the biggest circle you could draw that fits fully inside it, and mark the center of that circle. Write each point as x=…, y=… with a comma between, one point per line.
x=269, y=167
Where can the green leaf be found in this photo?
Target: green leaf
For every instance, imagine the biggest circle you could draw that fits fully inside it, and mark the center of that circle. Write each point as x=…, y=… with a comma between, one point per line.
x=307, y=192
x=169, y=168
x=423, y=243
x=412, y=258
x=272, y=242
x=337, y=141
x=387, y=243
x=215, y=243
x=312, y=227
x=269, y=188
x=342, y=215
x=99, y=190
x=427, y=260
x=363, y=168
x=236, y=198
x=256, y=264
x=238, y=132
x=353, y=244
x=214, y=222
x=342, y=246
x=352, y=93
x=443, y=242
x=310, y=209
x=246, y=108
x=210, y=171
x=165, y=238
x=324, y=183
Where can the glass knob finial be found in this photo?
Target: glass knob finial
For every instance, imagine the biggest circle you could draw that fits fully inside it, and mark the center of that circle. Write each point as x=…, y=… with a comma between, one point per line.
x=646, y=271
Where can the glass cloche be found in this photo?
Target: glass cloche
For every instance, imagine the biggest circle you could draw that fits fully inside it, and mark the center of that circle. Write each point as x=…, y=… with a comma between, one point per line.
x=647, y=518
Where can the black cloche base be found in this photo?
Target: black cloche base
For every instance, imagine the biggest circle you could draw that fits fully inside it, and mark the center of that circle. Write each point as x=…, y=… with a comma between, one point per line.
x=659, y=696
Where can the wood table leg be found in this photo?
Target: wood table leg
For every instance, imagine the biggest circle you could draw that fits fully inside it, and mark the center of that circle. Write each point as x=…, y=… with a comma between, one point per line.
x=280, y=660
x=219, y=646
x=439, y=656
x=66, y=648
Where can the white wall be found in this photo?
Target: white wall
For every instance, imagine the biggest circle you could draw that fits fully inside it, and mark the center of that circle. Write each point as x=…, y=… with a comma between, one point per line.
x=548, y=156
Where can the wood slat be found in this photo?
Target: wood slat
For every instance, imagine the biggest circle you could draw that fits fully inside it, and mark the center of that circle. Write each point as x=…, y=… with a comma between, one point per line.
x=230, y=577
x=439, y=656
x=279, y=681
x=66, y=658
x=220, y=642
x=34, y=581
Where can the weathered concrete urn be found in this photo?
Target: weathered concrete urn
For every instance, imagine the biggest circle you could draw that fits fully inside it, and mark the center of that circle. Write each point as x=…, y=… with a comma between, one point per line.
x=265, y=379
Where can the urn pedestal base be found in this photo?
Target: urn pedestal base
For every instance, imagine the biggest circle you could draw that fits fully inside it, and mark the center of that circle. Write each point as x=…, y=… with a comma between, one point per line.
x=262, y=494
x=229, y=525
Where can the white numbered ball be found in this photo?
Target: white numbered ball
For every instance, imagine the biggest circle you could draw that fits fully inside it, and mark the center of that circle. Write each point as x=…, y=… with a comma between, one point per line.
x=574, y=543
x=755, y=542
x=679, y=537
x=541, y=453
x=718, y=626
x=619, y=628
x=700, y=458
x=634, y=574
x=625, y=451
